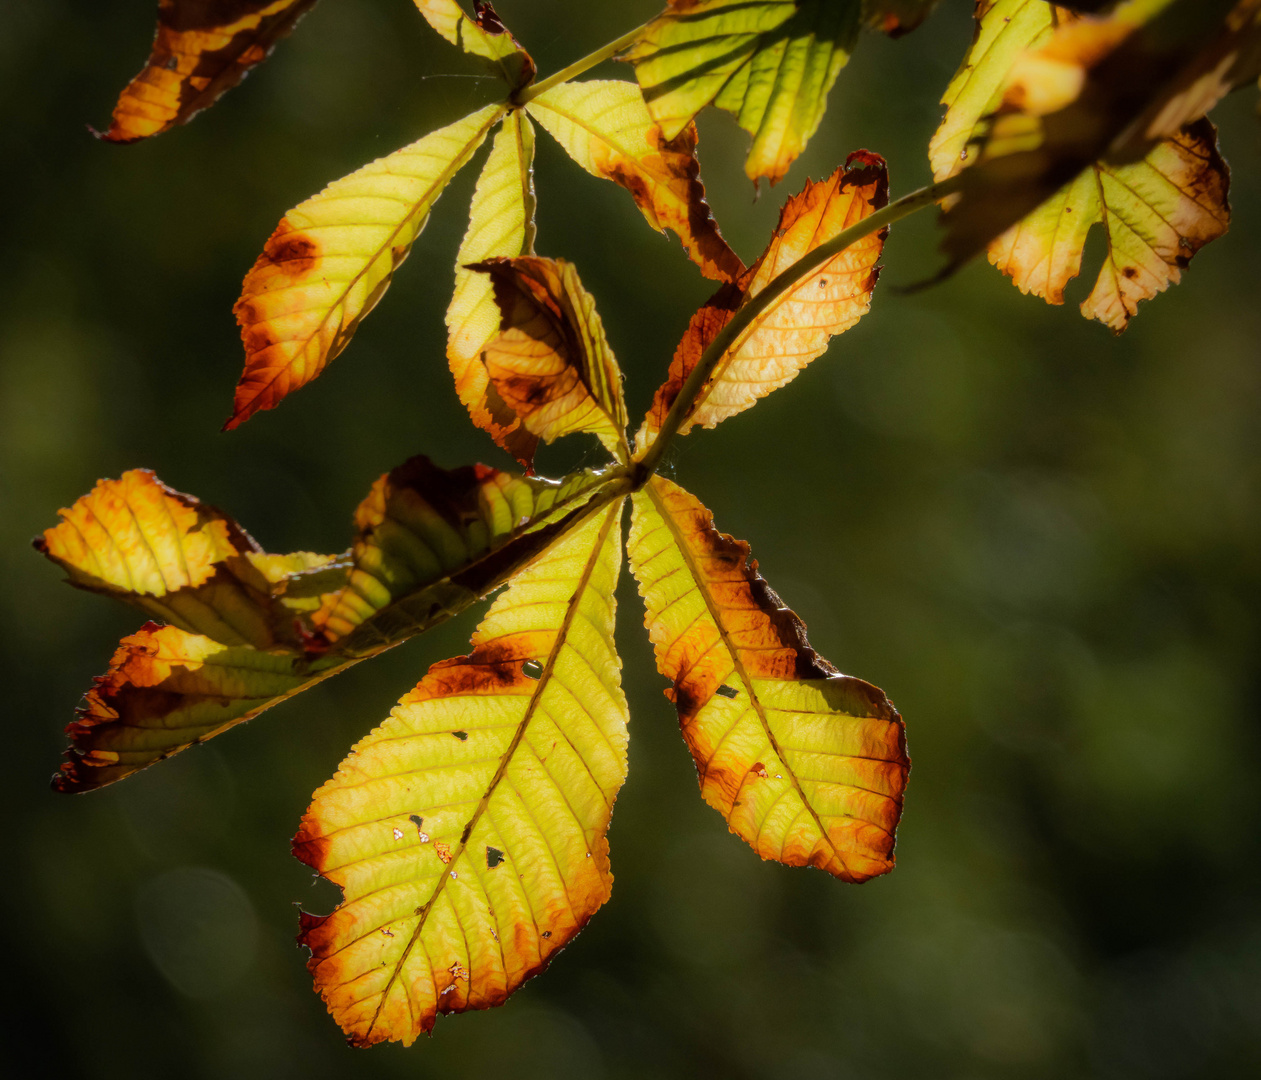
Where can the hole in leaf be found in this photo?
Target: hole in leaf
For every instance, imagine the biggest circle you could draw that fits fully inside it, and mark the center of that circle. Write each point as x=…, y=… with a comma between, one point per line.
x=532, y=669
x=728, y=691
x=461, y=735
x=493, y=857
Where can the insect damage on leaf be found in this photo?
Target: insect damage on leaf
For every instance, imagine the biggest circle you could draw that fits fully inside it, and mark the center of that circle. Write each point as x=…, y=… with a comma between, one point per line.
x=605, y=128
x=532, y=788
x=202, y=48
x=550, y=364
x=808, y=766
x=332, y=257
x=797, y=326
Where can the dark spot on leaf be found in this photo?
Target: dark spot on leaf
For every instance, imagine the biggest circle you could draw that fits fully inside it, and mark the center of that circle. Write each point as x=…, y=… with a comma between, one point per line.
x=493, y=857
x=1130, y=272
x=547, y=933
x=461, y=735
x=416, y=820
x=728, y=691
x=823, y=283
x=464, y=835
x=532, y=668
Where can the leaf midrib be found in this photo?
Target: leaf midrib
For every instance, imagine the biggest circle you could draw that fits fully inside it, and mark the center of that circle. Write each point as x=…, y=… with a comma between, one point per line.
x=562, y=634
x=738, y=664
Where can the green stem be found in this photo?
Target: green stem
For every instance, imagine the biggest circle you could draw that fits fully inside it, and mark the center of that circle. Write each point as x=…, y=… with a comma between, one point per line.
x=529, y=93
x=650, y=459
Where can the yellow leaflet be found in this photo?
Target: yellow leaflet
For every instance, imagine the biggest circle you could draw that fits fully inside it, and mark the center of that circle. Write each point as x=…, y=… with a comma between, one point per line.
x=468, y=831
x=331, y=259
x=769, y=62
x=485, y=37
x=501, y=224
x=807, y=765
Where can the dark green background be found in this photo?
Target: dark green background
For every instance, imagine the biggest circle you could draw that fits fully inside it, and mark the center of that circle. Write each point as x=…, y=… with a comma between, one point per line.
x=1040, y=540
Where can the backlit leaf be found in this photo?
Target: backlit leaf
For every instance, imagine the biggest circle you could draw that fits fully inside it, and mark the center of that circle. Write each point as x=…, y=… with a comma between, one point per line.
x=483, y=36
x=1103, y=91
x=605, y=128
x=331, y=259
x=796, y=328
x=770, y=63
x=248, y=629
x=807, y=765
x=501, y=225
x=431, y=541
x=202, y=48
x=1155, y=213
x=550, y=363
x=467, y=832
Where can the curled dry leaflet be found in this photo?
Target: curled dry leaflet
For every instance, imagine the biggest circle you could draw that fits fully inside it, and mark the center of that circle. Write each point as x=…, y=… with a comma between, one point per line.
x=468, y=831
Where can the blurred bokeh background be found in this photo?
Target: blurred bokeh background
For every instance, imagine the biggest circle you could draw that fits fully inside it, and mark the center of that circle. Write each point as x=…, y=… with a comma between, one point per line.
x=1040, y=540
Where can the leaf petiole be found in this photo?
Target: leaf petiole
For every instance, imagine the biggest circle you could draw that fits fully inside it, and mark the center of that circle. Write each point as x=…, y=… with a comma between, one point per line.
x=649, y=460
x=605, y=52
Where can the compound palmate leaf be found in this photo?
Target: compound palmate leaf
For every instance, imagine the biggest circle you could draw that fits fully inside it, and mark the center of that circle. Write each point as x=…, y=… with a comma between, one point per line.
x=796, y=327
x=483, y=36
x=245, y=629
x=550, y=364
x=807, y=765
x=501, y=225
x=467, y=832
x=202, y=48
x=1155, y=213
x=769, y=62
x=331, y=258
x=604, y=127
x=1104, y=91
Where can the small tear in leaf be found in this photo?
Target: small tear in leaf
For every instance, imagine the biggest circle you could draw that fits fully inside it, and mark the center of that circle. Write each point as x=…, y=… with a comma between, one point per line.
x=759, y=769
x=728, y=691
x=461, y=735
x=547, y=933
x=493, y=857
x=532, y=669
x=387, y=931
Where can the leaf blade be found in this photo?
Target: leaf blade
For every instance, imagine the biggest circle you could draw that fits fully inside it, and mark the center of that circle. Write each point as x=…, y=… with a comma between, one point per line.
x=796, y=328
x=332, y=257
x=771, y=63
x=247, y=630
x=201, y=51
x=483, y=36
x=408, y=825
x=550, y=364
x=501, y=225
x=806, y=765
x=1155, y=213
x=605, y=128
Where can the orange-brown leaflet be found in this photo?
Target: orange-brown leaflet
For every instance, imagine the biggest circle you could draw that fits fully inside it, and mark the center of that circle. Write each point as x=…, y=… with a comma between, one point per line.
x=549, y=366
x=202, y=48
x=819, y=212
